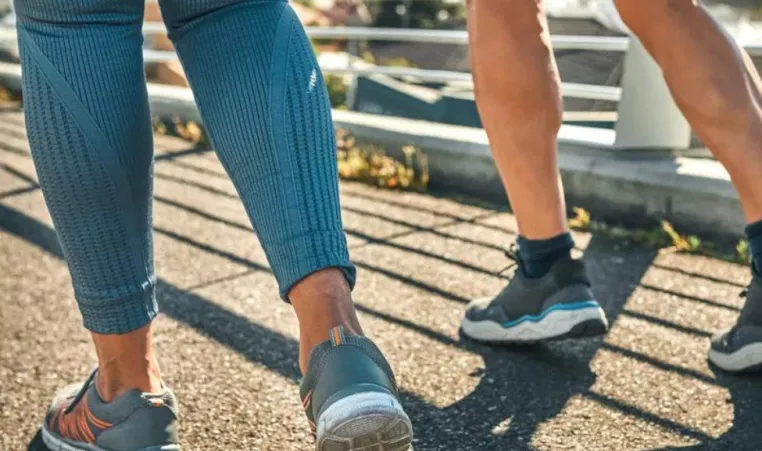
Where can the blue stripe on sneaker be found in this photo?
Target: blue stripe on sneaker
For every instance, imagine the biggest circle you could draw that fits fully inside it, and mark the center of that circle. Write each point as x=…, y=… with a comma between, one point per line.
x=558, y=307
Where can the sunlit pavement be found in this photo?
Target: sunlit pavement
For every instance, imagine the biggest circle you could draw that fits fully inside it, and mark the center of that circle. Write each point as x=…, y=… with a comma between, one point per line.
x=228, y=344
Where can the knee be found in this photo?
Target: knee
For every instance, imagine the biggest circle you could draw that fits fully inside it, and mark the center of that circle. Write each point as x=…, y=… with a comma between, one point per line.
x=80, y=12
x=641, y=16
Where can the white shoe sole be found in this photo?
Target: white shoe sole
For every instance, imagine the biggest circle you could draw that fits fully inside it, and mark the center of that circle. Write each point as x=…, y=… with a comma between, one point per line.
x=365, y=422
x=54, y=443
x=747, y=358
x=570, y=320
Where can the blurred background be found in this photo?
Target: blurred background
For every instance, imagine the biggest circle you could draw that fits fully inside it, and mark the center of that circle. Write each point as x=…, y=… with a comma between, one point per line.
x=444, y=96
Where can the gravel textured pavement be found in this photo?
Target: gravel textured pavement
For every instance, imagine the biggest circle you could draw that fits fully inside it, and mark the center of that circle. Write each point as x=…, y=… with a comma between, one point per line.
x=228, y=345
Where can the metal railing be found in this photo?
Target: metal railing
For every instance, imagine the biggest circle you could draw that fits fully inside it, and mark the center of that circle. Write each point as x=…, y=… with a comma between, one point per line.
x=647, y=116
x=457, y=37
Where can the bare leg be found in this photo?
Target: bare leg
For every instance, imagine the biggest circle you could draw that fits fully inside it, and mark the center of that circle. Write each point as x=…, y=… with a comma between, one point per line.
x=717, y=90
x=321, y=301
x=518, y=92
x=753, y=76
x=125, y=362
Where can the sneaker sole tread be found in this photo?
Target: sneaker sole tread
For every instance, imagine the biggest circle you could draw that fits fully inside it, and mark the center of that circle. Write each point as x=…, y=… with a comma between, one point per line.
x=365, y=422
x=746, y=359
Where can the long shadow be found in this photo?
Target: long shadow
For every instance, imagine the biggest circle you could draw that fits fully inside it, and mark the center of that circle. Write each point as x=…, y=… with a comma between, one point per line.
x=257, y=343
x=698, y=275
x=668, y=324
x=14, y=150
x=434, y=230
x=253, y=265
x=201, y=186
x=200, y=170
x=519, y=388
x=32, y=183
x=696, y=299
x=14, y=130
x=18, y=192
x=745, y=434
x=432, y=211
x=527, y=386
x=353, y=232
x=173, y=155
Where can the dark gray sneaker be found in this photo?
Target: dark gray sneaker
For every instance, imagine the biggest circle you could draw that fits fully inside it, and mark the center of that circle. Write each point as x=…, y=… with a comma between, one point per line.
x=351, y=398
x=740, y=347
x=556, y=306
x=78, y=420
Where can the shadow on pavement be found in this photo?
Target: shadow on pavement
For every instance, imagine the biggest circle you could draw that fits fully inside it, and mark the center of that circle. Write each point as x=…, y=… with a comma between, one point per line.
x=518, y=389
x=746, y=432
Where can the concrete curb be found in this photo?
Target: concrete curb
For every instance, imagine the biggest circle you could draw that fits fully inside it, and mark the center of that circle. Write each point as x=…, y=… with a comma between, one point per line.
x=630, y=187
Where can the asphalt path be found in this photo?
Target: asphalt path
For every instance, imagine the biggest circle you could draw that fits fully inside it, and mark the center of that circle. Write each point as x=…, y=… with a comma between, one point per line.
x=228, y=345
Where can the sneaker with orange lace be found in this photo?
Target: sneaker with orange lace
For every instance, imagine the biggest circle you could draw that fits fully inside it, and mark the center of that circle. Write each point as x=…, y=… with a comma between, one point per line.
x=79, y=419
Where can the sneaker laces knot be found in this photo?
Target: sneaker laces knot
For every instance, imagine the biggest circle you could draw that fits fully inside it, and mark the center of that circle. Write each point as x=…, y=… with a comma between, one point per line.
x=511, y=253
x=82, y=392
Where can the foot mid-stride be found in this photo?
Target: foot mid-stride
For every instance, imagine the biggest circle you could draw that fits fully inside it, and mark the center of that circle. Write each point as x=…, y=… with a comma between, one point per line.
x=559, y=304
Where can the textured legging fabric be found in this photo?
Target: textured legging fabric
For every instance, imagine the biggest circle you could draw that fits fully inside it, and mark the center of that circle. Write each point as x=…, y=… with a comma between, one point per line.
x=264, y=105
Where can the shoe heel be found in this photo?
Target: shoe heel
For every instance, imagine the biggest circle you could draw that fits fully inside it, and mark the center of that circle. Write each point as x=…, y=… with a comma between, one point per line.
x=365, y=422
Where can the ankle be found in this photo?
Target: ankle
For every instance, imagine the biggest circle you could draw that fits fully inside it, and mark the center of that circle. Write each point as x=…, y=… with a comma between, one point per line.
x=126, y=362
x=754, y=235
x=539, y=255
x=322, y=301
x=113, y=380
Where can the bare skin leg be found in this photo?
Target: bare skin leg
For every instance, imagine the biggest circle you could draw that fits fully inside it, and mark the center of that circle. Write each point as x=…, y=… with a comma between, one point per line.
x=518, y=91
x=322, y=301
x=753, y=76
x=126, y=362
x=713, y=82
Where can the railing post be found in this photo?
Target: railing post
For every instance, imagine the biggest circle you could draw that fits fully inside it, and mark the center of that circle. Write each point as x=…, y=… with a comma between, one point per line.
x=353, y=49
x=648, y=116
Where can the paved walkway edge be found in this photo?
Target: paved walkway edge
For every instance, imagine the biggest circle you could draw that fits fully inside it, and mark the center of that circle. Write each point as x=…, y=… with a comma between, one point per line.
x=635, y=188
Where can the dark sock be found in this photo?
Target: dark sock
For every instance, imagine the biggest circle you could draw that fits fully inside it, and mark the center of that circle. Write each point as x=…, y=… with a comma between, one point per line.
x=537, y=256
x=754, y=234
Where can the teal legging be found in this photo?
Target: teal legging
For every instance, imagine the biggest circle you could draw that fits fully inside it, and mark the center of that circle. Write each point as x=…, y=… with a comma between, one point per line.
x=264, y=105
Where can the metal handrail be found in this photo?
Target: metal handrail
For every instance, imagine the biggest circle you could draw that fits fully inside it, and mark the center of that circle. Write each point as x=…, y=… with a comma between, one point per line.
x=560, y=42
x=458, y=37
x=574, y=90
x=754, y=49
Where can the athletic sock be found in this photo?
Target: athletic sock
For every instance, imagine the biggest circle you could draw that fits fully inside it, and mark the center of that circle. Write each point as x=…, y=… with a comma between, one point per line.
x=754, y=234
x=537, y=256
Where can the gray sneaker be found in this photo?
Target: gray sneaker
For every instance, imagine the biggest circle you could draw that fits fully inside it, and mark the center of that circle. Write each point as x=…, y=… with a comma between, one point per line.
x=740, y=347
x=351, y=399
x=79, y=419
x=556, y=306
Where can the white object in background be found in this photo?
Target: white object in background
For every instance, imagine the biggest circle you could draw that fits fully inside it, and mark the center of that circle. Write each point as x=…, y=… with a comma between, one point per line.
x=10, y=19
x=648, y=116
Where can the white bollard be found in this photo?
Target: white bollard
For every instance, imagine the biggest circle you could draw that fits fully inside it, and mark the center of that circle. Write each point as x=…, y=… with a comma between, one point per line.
x=648, y=116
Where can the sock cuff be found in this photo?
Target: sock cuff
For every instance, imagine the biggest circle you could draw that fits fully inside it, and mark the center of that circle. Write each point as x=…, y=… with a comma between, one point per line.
x=754, y=230
x=537, y=249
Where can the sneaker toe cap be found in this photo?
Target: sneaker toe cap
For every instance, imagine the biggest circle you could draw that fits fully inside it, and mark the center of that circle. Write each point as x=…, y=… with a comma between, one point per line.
x=735, y=338
x=722, y=341
x=483, y=309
